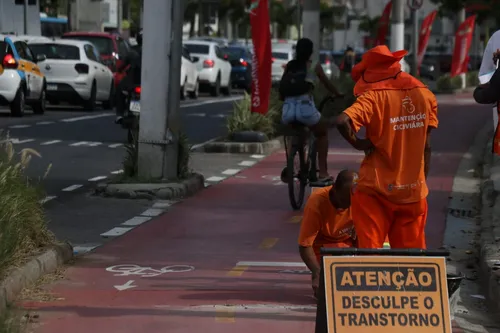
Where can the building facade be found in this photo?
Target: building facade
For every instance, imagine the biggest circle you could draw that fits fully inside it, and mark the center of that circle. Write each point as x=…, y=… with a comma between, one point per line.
x=12, y=17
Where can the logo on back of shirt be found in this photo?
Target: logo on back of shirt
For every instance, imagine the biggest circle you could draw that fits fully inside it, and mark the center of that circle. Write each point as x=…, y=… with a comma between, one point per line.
x=408, y=105
x=408, y=118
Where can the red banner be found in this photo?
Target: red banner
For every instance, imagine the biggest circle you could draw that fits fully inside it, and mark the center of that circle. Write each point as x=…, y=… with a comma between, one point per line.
x=261, y=59
x=383, y=24
x=463, y=41
x=425, y=33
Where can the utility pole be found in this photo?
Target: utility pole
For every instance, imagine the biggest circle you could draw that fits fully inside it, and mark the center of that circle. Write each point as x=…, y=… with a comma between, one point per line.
x=25, y=10
x=159, y=123
x=119, y=13
x=310, y=19
x=415, y=34
x=398, y=25
x=460, y=19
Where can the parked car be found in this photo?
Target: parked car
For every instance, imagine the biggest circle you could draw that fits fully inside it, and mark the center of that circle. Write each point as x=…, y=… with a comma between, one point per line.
x=214, y=71
x=189, y=76
x=329, y=67
x=21, y=81
x=281, y=55
x=75, y=73
x=240, y=59
x=111, y=46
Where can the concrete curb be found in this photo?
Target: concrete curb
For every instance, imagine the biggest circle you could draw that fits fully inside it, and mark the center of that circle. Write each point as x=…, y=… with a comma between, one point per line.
x=489, y=254
x=262, y=148
x=151, y=191
x=30, y=272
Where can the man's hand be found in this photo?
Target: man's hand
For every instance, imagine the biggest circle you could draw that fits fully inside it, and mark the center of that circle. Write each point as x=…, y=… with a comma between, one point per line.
x=315, y=283
x=365, y=145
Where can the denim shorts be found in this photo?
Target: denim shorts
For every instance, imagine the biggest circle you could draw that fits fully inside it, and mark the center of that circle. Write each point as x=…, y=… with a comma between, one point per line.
x=300, y=109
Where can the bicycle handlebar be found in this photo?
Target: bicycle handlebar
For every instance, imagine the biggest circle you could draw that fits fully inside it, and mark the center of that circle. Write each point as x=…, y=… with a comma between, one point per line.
x=384, y=252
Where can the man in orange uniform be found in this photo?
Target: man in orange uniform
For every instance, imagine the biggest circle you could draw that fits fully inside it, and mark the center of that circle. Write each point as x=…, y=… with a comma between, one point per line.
x=398, y=113
x=327, y=222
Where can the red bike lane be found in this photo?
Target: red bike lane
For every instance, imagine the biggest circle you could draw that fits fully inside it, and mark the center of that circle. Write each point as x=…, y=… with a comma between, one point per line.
x=236, y=242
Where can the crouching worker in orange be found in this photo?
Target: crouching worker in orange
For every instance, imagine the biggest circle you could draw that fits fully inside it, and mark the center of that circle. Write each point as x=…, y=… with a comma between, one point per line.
x=327, y=222
x=398, y=113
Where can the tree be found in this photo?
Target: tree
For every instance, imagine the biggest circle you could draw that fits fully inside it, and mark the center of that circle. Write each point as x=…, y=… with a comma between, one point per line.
x=49, y=7
x=190, y=12
x=369, y=25
x=283, y=16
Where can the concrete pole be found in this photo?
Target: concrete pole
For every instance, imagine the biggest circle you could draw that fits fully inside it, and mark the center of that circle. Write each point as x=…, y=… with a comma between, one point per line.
x=25, y=16
x=415, y=35
x=154, y=136
x=460, y=19
x=310, y=20
x=397, y=25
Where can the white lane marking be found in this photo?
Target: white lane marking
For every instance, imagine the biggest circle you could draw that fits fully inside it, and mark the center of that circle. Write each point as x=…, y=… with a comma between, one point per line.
x=82, y=249
x=71, y=188
x=115, y=145
x=98, y=178
x=346, y=153
x=257, y=156
x=70, y=120
x=196, y=146
x=197, y=114
x=215, y=179
x=151, y=212
x=137, y=220
x=162, y=204
x=18, y=142
x=117, y=172
x=86, y=143
x=46, y=143
x=45, y=122
x=220, y=115
x=207, y=184
x=270, y=264
x=19, y=126
x=219, y=100
x=230, y=172
x=117, y=231
x=47, y=199
x=247, y=163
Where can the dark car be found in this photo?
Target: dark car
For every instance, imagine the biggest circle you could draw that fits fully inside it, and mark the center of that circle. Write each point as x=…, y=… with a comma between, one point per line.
x=240, y=59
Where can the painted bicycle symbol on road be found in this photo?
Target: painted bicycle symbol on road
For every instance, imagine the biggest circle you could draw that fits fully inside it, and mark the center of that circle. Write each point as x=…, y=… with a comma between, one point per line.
x=127, y=270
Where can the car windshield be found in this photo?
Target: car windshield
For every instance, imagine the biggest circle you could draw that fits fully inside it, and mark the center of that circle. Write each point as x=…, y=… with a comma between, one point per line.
x=57, y=51
x=198, y=48
x=234, y=53
x=280, y=55
x=103, y=44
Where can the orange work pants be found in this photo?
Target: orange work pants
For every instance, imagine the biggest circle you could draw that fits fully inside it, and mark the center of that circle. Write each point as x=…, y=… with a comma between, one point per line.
x=375, y=218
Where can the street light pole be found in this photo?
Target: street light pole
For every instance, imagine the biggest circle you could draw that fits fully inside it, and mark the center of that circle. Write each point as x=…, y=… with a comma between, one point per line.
x=25, y=10
x=398, y=25
x=310, y=19
x=158, y=130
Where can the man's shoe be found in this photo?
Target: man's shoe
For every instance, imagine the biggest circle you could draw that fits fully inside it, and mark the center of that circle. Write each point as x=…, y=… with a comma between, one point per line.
x=119, y=120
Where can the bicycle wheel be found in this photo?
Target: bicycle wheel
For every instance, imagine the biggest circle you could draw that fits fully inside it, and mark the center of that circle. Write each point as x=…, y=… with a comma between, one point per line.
x=296, y=176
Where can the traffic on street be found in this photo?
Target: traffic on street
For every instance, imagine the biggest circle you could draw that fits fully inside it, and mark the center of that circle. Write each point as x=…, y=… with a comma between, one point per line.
x=178, y=166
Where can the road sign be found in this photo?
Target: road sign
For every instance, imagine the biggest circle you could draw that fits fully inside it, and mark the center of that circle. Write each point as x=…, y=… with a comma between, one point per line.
x=415, y=4
x=368, y=294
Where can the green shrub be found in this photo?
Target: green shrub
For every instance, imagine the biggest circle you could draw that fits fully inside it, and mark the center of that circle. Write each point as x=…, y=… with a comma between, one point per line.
x=472, y=79
x=23, y=229
x=446, y=83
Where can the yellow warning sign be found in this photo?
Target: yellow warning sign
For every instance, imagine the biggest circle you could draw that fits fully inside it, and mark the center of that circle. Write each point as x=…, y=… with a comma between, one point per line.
x=368, y=294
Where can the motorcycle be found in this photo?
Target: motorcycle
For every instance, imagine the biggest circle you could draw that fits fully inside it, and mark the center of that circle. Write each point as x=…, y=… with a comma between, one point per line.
x=132, y=113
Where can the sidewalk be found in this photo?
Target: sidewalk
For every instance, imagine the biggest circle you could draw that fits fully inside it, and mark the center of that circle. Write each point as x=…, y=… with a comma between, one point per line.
x=239, y=236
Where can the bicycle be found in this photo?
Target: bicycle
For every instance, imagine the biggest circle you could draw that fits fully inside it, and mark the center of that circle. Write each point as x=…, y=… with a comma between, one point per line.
x=304, y=145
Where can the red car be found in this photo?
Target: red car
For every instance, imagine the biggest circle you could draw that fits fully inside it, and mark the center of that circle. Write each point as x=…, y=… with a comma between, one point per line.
x=112, y=47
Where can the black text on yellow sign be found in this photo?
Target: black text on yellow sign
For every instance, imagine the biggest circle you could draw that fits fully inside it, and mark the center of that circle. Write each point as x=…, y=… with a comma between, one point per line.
x=390, y=294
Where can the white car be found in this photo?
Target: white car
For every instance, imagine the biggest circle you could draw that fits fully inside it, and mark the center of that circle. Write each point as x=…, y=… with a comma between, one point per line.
x=189, y=76
x=281, y=55
x=75, y=73
x=214, y=70
x=21, y=81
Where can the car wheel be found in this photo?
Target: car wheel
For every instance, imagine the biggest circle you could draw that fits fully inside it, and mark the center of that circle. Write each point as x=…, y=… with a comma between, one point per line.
x=227, y=90
x=183, y=90
x=18, y=105
x=215, y=91
x=90, y=104
x=110, y=103
x=40, y=106
x=196, y=91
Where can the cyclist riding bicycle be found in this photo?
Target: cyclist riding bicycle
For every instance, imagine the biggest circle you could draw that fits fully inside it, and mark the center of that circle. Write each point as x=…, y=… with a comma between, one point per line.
x=296, y=90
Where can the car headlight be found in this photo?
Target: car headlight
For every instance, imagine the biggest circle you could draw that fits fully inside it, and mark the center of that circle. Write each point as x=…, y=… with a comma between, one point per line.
x=431, y=68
